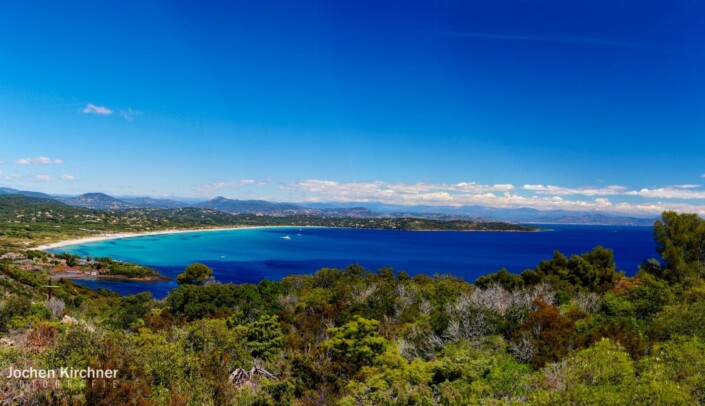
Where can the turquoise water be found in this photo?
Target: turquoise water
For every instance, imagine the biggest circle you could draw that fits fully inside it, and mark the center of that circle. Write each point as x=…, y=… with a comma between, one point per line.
x=250, y=255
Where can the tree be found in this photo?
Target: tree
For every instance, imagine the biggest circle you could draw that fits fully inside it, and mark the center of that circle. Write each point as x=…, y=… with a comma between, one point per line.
x=356, y=343
x=264, y=337
x=601, y=374
x=195, y=274
x=680, y=240
x=548, y=333
x=601, y=272
x=195, y=302
x=56, y=306
x=594, y=271
x=13, y=306
x=503, y=277
x=130, y=310
x=672, y=374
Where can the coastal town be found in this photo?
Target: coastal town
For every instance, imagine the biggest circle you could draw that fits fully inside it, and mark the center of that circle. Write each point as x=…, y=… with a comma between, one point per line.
x=75, y=267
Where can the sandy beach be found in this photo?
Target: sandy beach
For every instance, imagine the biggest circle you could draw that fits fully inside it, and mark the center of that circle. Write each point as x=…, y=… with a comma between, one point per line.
x=117, y=236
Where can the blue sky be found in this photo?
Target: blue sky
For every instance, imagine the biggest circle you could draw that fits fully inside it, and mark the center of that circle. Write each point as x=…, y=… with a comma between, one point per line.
x=547, y=104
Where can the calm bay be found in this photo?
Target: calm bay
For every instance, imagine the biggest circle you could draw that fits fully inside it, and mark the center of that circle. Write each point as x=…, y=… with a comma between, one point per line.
x=251, y=255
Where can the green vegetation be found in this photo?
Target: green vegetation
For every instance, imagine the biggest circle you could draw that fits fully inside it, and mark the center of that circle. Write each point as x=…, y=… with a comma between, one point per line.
x=195, y=274
x=594, y=271
x=573, y=330
x=680, y=241
x=74, y=266
x=107, y=266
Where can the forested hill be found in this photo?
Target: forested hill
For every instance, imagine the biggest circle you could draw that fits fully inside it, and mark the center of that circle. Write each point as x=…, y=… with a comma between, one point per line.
x=572, y=330
x=26, y=220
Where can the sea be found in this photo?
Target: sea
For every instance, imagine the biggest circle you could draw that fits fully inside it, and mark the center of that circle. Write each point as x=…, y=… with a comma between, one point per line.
x=251, y=255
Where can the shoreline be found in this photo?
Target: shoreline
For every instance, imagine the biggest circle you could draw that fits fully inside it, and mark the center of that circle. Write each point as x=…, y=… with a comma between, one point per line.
x=141, y=279
x=119, y=236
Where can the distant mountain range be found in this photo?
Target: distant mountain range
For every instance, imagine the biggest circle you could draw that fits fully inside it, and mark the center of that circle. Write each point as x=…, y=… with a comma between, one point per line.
x=247, y=206
x=102, y=201
x=98, y=201
x=9, y=191
x=152, y=203
x=519, y=215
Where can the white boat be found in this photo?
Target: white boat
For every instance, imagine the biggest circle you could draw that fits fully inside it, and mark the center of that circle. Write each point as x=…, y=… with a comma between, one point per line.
x=286, y=237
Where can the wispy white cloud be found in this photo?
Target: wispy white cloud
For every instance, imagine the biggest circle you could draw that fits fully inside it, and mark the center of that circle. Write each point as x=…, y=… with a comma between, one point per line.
x=129, y=114
x=670, y=192
x=370, y=191
x=44, y=178
x=42, y=160
x=210, y=188
x=9, y=176
x=400, y=193
x=20, y=178
x=687, y=191
x=498, y=196
x=584, y=191
x=94, y=109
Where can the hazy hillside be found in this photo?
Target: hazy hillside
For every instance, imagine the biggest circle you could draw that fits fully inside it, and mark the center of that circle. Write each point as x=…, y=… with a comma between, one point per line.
x=248, y=206
x=519, y=215
x=153, y=203
x=10, y=191
x=99, y=201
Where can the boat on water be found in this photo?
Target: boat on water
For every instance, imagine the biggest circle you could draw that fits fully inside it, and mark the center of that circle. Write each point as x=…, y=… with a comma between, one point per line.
x=286, y=237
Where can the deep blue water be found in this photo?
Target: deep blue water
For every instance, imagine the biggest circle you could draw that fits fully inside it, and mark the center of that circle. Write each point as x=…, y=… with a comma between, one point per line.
x=250, y=255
